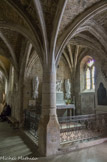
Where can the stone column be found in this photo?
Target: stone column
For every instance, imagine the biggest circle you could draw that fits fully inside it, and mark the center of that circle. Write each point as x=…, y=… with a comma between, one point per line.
x=49, y=131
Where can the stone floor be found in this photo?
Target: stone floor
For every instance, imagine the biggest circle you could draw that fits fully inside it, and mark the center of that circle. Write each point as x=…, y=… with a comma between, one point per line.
x=97, y=153
x=14, y=145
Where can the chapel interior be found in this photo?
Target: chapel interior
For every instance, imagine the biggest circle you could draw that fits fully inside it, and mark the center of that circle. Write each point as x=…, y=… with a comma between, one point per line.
x=53, y=73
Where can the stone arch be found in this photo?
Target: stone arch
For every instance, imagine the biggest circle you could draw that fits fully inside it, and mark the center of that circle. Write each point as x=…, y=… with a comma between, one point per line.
x=32, y=58
x=7, y=43
x=3, y=69
x=23, y=31
x=70, y=31
x=33, y=68
x=21, y=13
x=96, y=32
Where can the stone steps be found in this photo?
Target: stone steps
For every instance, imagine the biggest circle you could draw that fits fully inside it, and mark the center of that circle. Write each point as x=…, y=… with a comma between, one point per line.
x=12, y=143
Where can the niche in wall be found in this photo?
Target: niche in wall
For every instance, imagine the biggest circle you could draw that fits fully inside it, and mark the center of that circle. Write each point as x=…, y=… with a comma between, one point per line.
x=102, y=95
x=87, y=85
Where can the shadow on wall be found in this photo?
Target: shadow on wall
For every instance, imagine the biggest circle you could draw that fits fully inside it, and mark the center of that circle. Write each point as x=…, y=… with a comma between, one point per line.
x=102, y=95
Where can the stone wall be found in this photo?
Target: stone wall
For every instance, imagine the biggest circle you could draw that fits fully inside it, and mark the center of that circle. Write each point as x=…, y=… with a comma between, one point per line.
x=10, y=94
x=101, y=78
x=77, y=91
x=2, y=89
x=86, y=102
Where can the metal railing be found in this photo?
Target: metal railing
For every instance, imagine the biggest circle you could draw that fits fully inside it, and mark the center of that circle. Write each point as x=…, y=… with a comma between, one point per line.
x=31, y=123
x=82, y=127
x=72, y=128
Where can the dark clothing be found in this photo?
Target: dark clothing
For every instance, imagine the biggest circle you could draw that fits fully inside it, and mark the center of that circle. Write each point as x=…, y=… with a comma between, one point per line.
x=5, y=112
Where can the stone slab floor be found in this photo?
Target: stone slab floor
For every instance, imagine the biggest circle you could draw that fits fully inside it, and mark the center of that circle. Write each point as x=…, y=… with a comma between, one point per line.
x=97, y=153
x=12, y=144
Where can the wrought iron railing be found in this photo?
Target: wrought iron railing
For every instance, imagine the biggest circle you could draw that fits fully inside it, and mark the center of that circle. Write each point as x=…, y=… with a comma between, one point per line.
x=31, y=123
x=72, y=128
x=82, y=127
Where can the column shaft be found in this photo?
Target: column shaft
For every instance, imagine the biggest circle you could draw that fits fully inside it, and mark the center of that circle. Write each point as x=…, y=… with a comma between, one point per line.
x=49, y=132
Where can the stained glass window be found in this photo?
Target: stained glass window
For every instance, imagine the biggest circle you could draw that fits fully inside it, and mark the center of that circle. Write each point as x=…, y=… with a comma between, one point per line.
x=88, y=78
x=93, y=77
x=90, y=75
x=90, y=63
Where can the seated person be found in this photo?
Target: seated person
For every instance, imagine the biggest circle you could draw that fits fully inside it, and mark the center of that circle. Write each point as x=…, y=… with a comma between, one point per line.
x=6, y=112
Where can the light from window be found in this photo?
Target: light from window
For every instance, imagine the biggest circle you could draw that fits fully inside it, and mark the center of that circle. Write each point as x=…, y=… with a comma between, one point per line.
x=90, y=63
x=93, y=77
x=88, y=78
x=90, y=75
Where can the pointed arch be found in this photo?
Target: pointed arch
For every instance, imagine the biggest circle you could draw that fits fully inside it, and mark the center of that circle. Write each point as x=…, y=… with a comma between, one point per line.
x=9, y=46
x=21, y=13
x=39, y=10
x=68, y=34
x=23, y=31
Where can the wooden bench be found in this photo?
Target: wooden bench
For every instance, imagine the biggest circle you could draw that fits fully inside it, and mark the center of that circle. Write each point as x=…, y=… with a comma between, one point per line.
x=13, y=121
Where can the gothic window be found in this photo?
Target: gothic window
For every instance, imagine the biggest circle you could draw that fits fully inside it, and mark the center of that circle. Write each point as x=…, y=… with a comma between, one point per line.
x=88, y=78
x=90, y=75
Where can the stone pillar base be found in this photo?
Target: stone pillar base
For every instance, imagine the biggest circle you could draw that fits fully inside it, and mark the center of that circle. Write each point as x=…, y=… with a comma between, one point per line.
x=49, y=135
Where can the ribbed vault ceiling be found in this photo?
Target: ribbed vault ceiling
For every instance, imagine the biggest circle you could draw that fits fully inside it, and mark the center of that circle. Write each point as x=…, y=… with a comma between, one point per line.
x=47, y=25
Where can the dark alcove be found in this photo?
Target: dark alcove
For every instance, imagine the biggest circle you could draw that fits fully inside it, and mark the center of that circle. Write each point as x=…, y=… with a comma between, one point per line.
x=102, y=95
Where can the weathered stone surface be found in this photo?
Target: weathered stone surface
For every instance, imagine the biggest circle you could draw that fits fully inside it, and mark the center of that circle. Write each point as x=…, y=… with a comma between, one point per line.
x=87, y=103
x=36, y=43
x=50, y=136
x=74, y=8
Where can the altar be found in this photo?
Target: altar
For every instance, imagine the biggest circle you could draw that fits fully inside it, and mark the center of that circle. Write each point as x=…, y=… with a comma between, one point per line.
x=70, y=109
x=63, y=99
